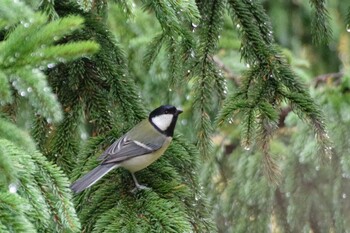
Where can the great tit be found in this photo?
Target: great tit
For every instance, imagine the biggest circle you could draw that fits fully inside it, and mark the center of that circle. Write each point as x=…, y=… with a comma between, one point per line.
x=137, y=149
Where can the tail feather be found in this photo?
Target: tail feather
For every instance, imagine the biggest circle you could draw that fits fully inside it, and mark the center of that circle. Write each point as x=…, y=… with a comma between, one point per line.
x=91, y=178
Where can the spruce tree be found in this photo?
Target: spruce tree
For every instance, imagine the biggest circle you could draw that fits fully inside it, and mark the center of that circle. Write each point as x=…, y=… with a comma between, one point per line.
x=87, y=71
x=99, y=99
x=34, y=192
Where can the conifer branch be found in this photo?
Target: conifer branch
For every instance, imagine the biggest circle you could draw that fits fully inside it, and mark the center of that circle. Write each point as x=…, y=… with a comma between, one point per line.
x=43, y=189
x=12, y=133
x=44, y=202
x=210, y=28
x=306, y=109
x=13, y=215
x=320, y=27
x=32, y=84
x=266, y=130
x=48, y=7
x=126, y=6
x=254, y=47
x=177, y=38
x=5, y=90
x=153, y=49
x=261, y=19
x=17, y=62
x=13, y=12
x=174, y=62
x=268, y=81
x=64, y=144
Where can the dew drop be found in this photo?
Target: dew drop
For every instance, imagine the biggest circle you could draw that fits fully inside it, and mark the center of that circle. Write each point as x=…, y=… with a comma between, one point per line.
x=344, y=195
x=46, y=89
x=238, y=25
x=23, y=93
x=317, y=168
x=196, y=197
x=51, y=65
x=247, y=148
x=83, y=136
x=188, y=71
x=192, y=53
x=49, y=120
x=247, y=65
x=184, y=122
x=328, y=151
x=194, y=25
x=348, y=28
x=170, y=89
x=326, y=135
x=13, y=188
x=29, y=89
x=230, y=121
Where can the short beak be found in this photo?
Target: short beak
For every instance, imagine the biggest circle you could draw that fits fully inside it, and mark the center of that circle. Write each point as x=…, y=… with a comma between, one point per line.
x=179, y=111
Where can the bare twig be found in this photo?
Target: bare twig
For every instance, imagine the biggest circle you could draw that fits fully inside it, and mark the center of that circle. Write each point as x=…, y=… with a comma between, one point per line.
x=331, y=77
x=228, y=73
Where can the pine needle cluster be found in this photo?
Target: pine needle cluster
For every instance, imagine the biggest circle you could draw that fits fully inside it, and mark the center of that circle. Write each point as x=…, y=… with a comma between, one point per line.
x=34, y=193
x=268, y=82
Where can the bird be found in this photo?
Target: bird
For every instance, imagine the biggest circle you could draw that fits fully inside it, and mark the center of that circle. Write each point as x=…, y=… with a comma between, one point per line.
x=137, y=149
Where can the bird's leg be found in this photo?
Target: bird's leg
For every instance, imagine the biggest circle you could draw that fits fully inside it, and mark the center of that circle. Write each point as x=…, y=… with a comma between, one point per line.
x=138, y=186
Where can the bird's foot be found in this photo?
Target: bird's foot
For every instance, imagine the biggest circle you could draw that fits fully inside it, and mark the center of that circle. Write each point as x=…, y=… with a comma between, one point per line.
x=140, y=187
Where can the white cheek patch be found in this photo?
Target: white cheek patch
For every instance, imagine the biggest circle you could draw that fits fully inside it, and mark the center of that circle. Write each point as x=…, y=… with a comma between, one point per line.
x=163, y=121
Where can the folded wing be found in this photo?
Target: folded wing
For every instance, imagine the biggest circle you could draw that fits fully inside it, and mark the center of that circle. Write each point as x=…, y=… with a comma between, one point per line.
x=133, y=144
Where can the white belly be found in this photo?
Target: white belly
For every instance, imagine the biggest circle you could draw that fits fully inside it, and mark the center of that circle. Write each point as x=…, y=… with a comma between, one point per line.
x=140, y=162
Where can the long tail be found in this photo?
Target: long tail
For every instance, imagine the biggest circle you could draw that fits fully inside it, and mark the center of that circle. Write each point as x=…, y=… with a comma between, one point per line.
x=91, y=177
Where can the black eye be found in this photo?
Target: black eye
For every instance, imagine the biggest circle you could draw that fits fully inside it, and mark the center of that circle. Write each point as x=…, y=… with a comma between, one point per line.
x=166, y=112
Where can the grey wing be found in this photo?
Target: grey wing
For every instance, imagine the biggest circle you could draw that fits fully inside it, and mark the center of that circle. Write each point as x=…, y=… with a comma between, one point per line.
x=126, y=148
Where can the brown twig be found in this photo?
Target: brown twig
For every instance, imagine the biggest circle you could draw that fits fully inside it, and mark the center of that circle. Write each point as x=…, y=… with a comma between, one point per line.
x=326, y=78
x=228, y=73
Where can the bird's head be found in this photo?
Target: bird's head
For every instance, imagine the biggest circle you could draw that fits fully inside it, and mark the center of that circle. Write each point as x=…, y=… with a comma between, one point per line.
x=164, y=119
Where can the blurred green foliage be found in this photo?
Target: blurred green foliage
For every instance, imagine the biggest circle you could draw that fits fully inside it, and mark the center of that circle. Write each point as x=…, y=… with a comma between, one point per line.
x=244, y=72
x=311, y=195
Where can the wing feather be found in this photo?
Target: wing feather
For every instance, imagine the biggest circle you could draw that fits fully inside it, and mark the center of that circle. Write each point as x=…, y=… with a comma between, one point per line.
x=134, y=144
